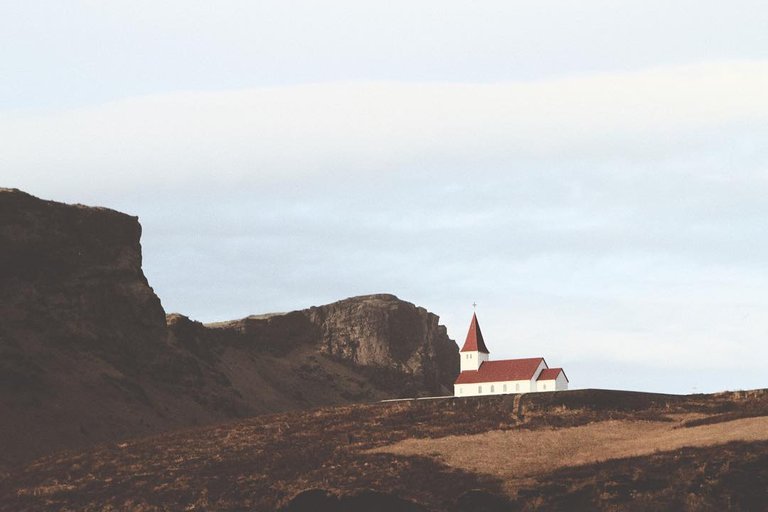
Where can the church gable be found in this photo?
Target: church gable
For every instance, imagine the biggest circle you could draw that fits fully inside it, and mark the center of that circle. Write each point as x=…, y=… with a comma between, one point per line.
x=551, y=374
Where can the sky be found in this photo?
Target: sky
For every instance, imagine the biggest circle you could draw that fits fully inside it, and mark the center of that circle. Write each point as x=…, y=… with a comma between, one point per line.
x=594, y=175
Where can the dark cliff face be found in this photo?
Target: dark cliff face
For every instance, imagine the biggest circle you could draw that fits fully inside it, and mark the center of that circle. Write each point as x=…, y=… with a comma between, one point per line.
x=82, y=335
x=71, y=280
x=88, y=355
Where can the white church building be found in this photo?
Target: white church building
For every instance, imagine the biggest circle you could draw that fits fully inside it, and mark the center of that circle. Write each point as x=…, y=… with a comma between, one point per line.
x=481, y=376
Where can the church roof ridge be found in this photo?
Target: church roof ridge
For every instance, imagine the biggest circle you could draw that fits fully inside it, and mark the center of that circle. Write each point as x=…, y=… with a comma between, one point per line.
x=502, y=370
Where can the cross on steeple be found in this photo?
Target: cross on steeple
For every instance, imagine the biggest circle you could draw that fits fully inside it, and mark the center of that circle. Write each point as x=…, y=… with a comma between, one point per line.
x=474, y=306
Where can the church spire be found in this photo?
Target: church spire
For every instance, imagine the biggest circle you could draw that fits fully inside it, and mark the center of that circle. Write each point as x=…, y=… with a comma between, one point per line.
x=474, y=341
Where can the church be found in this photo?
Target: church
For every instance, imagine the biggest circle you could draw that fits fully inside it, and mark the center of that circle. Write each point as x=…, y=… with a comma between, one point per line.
x=481, y=376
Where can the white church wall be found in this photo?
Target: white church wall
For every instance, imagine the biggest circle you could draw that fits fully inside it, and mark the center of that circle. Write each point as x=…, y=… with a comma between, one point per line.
x=492, y=388
x=561, y=383
x=526, y=386
x=511, y=387
x=546, y=385
x=471, y=361
x=558, y=384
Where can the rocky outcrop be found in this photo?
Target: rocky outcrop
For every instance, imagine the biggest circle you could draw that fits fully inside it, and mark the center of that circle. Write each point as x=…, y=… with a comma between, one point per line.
x=88, y=355
x=399, y=346
x=381, y=332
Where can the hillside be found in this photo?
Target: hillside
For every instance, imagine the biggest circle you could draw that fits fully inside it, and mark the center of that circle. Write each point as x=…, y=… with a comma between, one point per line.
x=573, y=450
x=362, y=348
x=88, y=355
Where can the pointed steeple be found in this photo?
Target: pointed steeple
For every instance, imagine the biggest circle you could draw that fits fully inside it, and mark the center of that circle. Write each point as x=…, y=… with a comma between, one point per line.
x=474, y=341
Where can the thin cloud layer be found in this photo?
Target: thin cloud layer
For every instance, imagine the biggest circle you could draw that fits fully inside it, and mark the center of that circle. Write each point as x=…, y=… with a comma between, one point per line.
x=346, y=129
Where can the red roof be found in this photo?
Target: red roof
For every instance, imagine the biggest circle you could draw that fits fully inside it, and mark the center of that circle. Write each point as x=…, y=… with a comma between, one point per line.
x=496, y=371
x=551, y=374
x=474, y=342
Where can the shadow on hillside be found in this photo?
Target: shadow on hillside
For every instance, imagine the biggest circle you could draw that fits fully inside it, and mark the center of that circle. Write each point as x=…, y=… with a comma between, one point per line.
x=409, y=479
x=730, y=477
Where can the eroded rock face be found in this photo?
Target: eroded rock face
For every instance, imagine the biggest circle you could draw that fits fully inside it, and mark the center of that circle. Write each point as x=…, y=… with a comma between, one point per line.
x=87, y=354
x=384, y=332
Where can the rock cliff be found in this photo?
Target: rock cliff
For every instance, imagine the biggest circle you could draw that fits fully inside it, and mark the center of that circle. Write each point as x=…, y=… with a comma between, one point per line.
x=400, y=347
x=88, y=355
x=71, y=279
x=381, y=332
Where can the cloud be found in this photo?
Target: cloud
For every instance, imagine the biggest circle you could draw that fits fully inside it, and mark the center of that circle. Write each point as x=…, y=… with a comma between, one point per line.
x=228, y=139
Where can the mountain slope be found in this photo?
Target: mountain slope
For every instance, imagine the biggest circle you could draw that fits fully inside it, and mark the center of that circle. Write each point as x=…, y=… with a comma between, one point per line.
x=87, y=353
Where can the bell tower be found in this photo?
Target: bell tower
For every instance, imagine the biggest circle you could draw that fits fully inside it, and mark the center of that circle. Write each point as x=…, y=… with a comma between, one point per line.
x=474, y=352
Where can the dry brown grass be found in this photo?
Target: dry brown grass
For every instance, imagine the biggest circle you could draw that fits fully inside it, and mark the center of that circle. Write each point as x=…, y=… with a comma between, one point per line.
x=260, y=463
x=516, y=456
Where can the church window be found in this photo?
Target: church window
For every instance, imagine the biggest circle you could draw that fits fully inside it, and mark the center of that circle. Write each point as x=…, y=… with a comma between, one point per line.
x=479, y=389
x=517, y=387
x=491, y=388
x=504, y=387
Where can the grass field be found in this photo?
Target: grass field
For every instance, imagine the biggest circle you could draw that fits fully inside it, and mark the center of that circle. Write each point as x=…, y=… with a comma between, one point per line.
x=578, y=450
x=514, y=456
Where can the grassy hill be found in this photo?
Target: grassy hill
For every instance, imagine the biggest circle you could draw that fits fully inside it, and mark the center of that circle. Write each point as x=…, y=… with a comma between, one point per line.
x=574, y=450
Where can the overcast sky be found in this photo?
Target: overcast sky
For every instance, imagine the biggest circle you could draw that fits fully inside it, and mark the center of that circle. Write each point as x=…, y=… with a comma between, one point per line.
x=594, y=174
